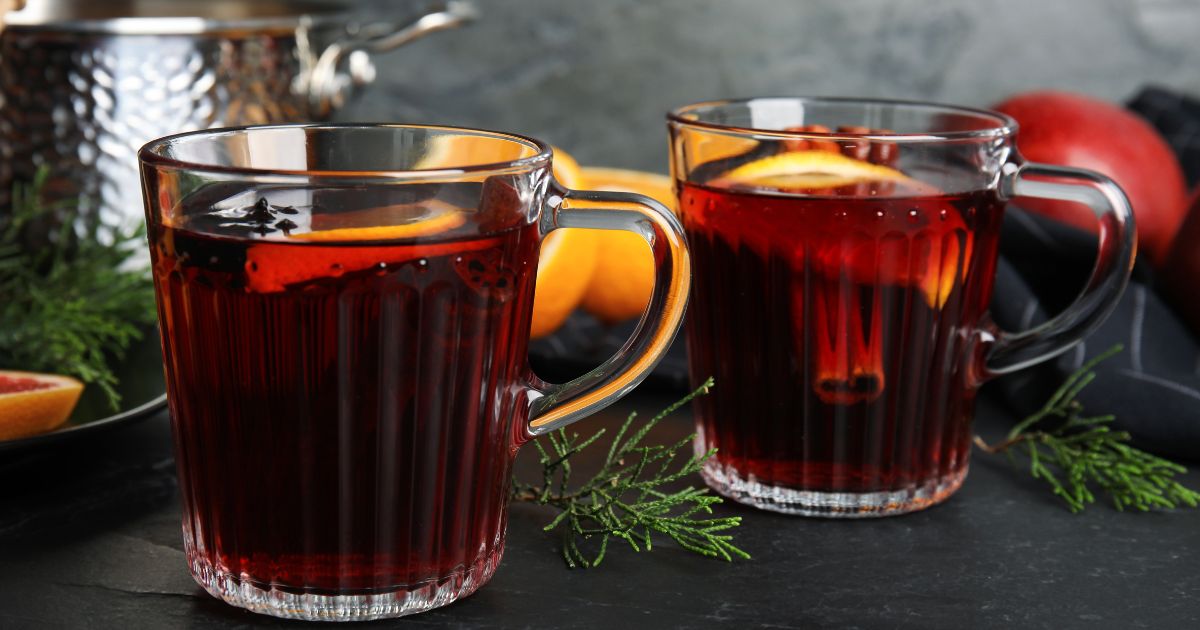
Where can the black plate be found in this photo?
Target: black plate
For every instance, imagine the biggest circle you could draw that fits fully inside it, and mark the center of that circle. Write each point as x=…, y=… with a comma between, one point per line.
x=142, y=394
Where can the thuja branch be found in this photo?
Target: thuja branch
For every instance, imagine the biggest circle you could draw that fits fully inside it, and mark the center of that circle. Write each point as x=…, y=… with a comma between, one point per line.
x=71, y=302
x=1074, y=453
x=629, y=499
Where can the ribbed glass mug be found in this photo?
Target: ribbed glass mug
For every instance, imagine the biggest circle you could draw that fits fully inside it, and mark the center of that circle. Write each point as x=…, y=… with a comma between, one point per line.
x=345, y=312
x=844, y=257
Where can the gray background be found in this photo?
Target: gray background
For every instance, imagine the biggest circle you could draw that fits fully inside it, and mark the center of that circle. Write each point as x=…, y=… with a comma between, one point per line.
x=595, y=76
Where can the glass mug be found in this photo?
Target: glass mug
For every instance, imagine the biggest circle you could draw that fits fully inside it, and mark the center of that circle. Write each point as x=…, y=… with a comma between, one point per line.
x=844, y=256
x=345, y=311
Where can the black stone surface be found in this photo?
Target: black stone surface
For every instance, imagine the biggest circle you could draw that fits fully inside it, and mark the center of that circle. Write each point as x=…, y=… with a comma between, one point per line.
x=89, y=537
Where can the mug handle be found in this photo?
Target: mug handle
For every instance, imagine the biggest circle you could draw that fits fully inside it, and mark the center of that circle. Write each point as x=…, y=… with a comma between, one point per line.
x=1010, y=351
x=555, y=406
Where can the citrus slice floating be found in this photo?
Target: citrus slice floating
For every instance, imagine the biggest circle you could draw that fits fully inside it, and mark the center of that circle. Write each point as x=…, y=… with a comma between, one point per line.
x=440, y=222
x=272, y=266
x=931, y=264
x=33, y=403
x=811, y=170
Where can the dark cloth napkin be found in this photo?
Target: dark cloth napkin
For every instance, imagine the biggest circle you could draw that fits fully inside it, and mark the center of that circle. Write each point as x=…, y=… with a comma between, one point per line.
x=1177, y=118
x=1153, y=387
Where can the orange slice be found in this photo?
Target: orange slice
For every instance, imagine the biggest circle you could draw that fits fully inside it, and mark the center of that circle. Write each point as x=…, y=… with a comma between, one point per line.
x=272, y=266
x=442, y=222
x=32, y=403
x=933, y=267
x=805, y=170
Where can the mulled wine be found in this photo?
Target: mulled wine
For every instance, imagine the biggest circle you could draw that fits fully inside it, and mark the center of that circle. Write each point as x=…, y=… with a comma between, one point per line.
x=344, y=409
x=835, y=329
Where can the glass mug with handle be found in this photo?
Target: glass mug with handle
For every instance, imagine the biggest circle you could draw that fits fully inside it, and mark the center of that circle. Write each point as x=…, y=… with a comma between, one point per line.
x=844, y=254
x=345, y=311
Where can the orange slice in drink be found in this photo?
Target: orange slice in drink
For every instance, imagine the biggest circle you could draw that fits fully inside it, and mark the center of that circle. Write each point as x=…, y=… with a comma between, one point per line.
x=931, y=262
x=272, y=266
x=32, y=403
x=441, y=222
x=811, y=170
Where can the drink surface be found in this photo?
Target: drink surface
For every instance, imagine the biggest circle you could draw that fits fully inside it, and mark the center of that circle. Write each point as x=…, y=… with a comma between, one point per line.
x=837, y=328
x=344, y=410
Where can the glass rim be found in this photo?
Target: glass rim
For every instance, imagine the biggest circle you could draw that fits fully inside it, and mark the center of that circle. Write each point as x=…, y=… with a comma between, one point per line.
x=1006, y=126
x=150, y=154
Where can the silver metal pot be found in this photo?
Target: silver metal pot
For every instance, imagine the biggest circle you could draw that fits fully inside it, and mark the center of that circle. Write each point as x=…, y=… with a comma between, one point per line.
x=84, y=83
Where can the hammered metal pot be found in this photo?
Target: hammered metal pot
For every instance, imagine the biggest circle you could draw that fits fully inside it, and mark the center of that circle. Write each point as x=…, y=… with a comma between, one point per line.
x=83, y=84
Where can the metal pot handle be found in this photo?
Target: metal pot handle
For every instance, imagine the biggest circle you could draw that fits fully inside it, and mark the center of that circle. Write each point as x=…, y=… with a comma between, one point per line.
x=327, y=87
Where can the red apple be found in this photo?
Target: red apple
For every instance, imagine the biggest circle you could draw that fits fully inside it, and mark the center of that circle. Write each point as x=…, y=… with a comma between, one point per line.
x=1074, y=130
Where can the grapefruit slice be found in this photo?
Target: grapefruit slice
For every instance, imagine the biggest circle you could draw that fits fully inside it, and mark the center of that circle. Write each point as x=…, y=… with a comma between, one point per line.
x=33, y=403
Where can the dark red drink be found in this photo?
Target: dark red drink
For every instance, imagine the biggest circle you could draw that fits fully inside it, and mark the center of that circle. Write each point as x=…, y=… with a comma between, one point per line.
x=844, y=252
x=345, y=311
x=835, y=326
x=344, y=411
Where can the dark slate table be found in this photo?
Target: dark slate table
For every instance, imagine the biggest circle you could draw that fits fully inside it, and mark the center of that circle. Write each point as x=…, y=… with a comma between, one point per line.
x=89, y=537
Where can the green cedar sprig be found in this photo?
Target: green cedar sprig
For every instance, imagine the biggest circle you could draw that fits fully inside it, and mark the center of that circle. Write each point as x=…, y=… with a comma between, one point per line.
x=70, y=302
x=1072, y=453
x=628, y=498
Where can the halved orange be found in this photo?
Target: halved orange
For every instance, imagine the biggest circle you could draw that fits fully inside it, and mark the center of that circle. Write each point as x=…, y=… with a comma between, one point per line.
x=565, y=264
x=565, y=267
x=33, y=403
x=566, y=169
x=623, y=280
